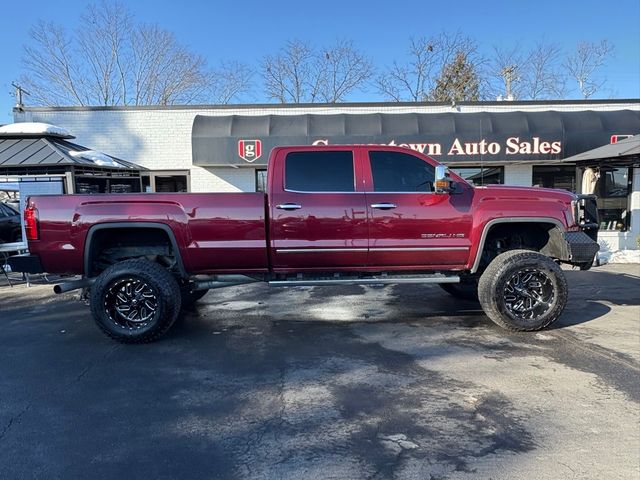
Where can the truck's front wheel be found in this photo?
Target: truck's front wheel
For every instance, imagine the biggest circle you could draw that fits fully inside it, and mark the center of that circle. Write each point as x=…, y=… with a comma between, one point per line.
x=523, y=290
x=135, y=301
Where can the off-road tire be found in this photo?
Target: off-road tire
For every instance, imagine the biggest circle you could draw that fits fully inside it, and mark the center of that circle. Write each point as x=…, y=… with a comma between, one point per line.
x=120, y=281
x=498, y=287
x=463, y=290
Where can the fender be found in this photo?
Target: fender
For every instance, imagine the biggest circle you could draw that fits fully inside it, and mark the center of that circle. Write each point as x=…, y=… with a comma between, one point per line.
x=149, y=225
x=496, y=221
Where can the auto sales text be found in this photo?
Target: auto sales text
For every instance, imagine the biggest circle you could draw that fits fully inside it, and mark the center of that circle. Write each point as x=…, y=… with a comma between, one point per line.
x=512, y=146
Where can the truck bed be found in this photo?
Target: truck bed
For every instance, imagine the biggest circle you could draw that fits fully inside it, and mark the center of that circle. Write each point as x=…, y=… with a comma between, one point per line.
x=222, y=230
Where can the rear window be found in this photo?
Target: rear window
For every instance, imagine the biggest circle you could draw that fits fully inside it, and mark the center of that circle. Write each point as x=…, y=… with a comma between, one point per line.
x=329, y=171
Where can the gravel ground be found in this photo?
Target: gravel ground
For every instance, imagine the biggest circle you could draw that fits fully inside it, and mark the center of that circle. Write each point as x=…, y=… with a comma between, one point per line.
x=335, y=382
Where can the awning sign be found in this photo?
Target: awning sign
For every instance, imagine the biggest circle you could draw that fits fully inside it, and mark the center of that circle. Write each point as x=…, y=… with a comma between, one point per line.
x=453, y=138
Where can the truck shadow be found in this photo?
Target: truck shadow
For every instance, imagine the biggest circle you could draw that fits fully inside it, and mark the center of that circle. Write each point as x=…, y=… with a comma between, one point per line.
x=591, y=296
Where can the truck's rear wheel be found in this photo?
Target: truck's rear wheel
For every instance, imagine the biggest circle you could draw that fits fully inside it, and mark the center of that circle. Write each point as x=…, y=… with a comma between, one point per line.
x=522, y=290
x=135, y=301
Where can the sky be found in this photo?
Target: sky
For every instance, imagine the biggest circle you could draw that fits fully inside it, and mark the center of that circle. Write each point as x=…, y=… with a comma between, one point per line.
x=249, y=30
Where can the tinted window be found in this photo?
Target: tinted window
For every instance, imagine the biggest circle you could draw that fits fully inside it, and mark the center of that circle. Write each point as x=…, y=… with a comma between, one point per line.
x=319, y=172
x=400, y=172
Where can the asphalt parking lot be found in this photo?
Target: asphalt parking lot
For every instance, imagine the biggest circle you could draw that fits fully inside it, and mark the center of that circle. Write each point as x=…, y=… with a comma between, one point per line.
x=336, y=382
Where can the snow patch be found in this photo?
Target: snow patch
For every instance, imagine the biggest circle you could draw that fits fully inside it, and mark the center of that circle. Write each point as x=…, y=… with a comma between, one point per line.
x=96, y=157
x=34, y=129
x=619, y=256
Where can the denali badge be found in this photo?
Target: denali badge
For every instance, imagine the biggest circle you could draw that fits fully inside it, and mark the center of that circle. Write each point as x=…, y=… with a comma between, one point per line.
x=250, y=150
x=442, y=235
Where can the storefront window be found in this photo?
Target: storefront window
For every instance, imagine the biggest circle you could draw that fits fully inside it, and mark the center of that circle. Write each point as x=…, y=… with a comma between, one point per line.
x=261, y=180
x=555, y=177
x=171, y=183
x=613, y=190
x=91, y=185
x=481, y=175
x=146, y=183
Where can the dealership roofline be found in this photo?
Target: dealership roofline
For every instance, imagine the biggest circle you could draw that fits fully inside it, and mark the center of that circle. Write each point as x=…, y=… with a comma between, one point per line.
x=498, y=105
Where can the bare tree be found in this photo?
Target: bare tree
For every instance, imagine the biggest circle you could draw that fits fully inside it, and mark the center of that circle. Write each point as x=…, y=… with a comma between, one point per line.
x=55, y=76
x=543, y=78
x=527, y=75
x=102, y=41
x=584, y=63
x=291, y=76
x=109, y=59
x=301, y=73
x=410, y=80
x=415, y=79
x=345, y=69
x=165, y=72
x=230, y=81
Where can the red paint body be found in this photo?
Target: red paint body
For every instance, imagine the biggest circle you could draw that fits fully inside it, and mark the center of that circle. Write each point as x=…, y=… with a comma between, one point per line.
x=246, y=233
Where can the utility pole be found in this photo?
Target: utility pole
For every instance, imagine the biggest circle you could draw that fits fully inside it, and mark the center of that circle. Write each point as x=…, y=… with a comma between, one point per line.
x=509, y=77
x=19, y=92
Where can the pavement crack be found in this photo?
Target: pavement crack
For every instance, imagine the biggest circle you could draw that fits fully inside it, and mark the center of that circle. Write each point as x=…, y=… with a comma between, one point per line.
x=13, y=420
x=90, y=366
x=568, y=467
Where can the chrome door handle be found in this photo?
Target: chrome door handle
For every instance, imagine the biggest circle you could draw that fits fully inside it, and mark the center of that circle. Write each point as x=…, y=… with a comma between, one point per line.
x=384, y=206
x=288, y=206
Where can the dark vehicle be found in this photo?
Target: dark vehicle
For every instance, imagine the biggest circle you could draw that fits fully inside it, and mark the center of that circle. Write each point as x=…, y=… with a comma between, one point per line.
x=10, y=229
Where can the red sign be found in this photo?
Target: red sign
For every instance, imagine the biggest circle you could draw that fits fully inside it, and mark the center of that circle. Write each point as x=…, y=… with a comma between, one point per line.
x=250, y=150
x=617, y=138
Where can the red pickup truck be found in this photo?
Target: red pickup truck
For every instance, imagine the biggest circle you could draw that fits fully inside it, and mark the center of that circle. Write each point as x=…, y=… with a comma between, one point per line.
x=333, y=215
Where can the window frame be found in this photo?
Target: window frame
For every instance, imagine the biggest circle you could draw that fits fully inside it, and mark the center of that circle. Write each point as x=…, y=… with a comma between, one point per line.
x=354, y=160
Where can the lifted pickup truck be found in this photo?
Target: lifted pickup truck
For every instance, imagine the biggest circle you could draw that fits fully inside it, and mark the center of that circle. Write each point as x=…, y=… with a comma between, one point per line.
x=333, y=215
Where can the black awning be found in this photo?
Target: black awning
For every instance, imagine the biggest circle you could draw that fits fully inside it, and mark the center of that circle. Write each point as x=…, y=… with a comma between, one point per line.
x=624, y=152
x=451, y=137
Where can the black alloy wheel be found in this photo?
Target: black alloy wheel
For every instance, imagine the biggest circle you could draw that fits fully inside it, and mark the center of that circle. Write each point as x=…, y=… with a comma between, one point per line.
x=528, y=293
x=135, y=301
x=131, y=303
x=523, y=290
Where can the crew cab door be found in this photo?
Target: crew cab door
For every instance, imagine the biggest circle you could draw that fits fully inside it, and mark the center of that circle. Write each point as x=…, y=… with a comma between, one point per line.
x=318, y=214
x=411, y=226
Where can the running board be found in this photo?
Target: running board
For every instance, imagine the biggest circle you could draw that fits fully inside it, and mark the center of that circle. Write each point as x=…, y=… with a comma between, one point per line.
x=382, y=280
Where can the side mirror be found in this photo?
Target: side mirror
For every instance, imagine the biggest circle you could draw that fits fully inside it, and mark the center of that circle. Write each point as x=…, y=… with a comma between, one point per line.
x=442, y=184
